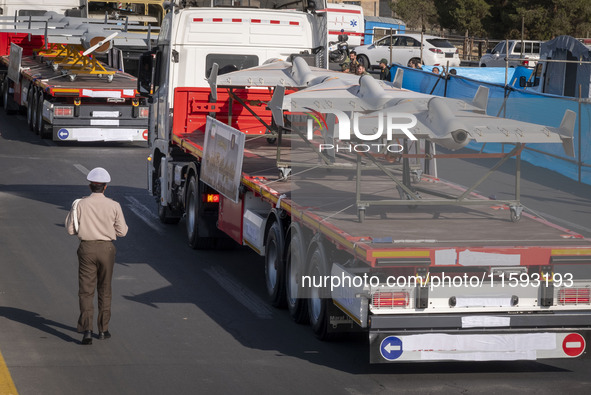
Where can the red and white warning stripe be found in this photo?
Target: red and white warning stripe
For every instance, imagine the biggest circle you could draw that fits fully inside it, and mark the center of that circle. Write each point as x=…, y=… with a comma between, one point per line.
x=252, y=21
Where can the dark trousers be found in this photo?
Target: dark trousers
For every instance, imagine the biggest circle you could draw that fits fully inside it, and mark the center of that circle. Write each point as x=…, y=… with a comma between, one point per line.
x=95, y=271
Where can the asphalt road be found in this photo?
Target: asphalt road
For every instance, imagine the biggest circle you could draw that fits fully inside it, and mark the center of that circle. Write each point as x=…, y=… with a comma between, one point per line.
x=191, y=322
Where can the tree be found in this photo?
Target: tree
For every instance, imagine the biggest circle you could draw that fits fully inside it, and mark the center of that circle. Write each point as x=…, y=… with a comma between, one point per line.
x=542, y=19
x=416, y=13
x=469, y=15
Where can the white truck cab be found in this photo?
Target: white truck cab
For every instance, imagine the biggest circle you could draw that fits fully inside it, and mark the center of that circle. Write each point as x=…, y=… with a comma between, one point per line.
x=240, y=34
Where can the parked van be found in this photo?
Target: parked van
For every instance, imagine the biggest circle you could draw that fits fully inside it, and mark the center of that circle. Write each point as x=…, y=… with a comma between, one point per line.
x=345, y=19
x=521, y=53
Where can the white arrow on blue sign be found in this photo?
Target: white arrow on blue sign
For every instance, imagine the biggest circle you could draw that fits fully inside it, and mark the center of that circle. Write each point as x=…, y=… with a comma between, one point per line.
x=63, y=134
x=391, y=348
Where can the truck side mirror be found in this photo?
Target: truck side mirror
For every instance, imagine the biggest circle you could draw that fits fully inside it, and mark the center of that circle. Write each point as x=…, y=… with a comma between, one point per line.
x=145, y=80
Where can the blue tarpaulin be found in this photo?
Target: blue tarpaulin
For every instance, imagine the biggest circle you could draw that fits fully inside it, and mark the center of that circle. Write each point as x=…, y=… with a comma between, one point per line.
x=518, y=104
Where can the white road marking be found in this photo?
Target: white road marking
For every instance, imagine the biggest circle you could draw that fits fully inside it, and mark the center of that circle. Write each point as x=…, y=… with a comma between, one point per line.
x=82, y=169
x=560, y=221
x=246, y=297
x=144, y=213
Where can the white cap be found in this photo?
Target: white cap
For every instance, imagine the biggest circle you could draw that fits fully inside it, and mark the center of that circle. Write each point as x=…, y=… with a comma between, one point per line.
x=99, y=175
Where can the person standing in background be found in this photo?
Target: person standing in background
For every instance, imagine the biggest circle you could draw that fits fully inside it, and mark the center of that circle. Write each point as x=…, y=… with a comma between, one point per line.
x=384, y=70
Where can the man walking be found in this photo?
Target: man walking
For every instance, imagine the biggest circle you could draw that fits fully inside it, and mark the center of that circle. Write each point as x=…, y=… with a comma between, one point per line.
x=97, y=221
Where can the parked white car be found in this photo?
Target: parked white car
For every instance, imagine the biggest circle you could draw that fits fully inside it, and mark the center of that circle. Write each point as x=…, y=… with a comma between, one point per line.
x=437, y=51
x=528, y=57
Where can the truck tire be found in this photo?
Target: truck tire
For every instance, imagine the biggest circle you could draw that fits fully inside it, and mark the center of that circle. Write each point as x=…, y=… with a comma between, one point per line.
x=30, y=106
x=39, y=114
x=193, y=216
x=274, y=266
x=295, y=262
x=7, y=100
x=34, y=111
x=319, y=296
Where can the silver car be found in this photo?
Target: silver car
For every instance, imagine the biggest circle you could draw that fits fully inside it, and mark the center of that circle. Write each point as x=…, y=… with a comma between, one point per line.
x=527, y=54
x=437, y=51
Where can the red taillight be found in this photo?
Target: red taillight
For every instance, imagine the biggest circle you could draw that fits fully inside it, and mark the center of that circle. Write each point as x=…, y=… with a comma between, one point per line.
x=435, y=50
x=144, y=112
x=211, y=198
x=390, y=299
x=63, y=112
x=574, y=296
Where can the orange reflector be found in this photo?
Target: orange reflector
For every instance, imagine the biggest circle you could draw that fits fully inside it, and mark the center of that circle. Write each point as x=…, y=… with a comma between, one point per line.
x=211, y=198
x=573, y=296
x=390, y=299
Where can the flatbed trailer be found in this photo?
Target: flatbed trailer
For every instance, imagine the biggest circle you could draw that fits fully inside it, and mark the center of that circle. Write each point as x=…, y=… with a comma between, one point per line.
x=428, y=282
x=74, y=107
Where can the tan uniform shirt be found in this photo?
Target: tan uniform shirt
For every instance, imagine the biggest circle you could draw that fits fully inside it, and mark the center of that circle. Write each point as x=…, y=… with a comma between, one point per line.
x=99, y=218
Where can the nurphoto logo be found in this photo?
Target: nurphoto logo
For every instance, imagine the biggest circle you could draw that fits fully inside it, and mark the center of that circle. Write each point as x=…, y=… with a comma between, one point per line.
x=360, y=132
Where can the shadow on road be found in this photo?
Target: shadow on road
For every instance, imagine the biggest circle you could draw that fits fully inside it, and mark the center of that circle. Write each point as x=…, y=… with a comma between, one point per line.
x=36, y=321
x=186, y=272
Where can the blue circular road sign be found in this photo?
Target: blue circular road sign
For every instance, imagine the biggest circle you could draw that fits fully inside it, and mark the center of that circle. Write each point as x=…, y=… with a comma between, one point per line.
x=63, y=134
x=391, y=348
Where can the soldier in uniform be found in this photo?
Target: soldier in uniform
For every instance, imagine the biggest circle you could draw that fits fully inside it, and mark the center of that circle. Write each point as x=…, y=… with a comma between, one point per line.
x=384, y=70
x=350, y=65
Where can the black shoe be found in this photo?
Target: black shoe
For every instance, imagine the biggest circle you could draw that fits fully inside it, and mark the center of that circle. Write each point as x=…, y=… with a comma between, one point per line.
x=87, y=339
x=104, y=335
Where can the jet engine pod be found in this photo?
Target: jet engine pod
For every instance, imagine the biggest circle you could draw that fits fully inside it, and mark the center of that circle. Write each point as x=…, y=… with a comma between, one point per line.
x=461, y=137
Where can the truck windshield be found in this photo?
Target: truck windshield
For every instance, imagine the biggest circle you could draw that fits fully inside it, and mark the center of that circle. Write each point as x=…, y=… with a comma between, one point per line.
x=298, y=5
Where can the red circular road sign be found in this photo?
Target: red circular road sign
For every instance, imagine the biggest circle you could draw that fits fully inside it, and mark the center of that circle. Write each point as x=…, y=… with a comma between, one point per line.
x=573, y=345
x=145, y=134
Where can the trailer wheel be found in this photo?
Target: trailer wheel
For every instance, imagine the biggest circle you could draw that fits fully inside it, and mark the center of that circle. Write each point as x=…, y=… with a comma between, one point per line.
x=274, y=266
x=319, y=297
x=39, y=114
x=5, y=93
x=7, y=100
x=30, y=105
x=295, y=261
x=193, y=211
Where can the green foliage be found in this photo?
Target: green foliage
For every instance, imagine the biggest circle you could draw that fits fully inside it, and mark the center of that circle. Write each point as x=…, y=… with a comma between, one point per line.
x=469, y=15
x=416, y=13
x=542, y=19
